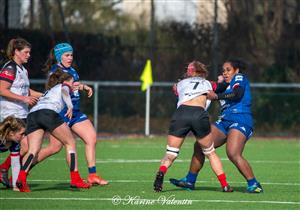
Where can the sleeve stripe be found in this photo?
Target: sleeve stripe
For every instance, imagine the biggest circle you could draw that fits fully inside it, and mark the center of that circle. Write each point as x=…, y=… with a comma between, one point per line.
x=9, y=77
x=235, y=85
x=7, y=80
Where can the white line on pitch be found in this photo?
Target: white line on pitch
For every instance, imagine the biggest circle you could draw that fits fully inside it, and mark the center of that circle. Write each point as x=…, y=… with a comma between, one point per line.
x=150, y=181
x=111, y=199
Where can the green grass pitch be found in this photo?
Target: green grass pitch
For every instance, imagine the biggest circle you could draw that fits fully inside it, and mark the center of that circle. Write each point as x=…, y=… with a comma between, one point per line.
x=130, y=166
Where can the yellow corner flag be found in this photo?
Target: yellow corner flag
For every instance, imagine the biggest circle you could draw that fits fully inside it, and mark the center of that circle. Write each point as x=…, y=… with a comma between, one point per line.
x=146, y=76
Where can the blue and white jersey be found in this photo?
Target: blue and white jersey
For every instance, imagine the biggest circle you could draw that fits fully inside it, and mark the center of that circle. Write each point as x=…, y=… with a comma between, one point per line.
x=241, y=107
x=75, y=95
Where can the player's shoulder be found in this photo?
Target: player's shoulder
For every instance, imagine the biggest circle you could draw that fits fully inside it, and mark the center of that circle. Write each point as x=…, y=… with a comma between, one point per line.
x=10, y=66
x=240, y=77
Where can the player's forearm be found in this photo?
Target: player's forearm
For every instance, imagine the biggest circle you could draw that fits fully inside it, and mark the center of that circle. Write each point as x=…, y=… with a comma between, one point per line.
x=12, y=96
x=235, y=95
x=35, y=93
x=67, y=99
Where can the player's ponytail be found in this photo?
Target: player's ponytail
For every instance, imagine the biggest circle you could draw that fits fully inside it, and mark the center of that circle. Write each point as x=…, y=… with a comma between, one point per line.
x=50, y=62
x=10, y=124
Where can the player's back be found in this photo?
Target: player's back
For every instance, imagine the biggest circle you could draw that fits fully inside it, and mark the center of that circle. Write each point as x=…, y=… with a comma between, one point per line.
x=192, y=87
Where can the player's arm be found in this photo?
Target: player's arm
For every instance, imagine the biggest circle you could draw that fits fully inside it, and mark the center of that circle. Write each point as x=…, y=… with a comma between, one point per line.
x=236, y=94
x=80, y=86
x=67, y=99
x=219, y=87
x=35, y=93
x=5, y=92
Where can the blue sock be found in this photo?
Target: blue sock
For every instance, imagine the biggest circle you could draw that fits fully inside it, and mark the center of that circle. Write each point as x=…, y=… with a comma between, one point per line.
x=191, y=177
x=252, y=181
x=92, y=170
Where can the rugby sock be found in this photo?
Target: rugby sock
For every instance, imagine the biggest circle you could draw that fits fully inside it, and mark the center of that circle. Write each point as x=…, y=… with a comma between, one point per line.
x=252, y=181
x=92, y=170
x=163, y=169
x=72, y=160
x=28, y=161
x=191, y=177
x=222, y=180
x=6, y=164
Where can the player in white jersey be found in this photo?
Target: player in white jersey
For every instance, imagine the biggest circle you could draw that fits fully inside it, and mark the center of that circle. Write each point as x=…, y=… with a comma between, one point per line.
x=191, y=115
x=44, y=116
x=12, y=130
x=15, y=94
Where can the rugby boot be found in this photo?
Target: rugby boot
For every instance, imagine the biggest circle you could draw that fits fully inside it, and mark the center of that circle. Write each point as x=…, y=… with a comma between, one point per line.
x=255, y=188
x=183, y=183
x=227, y=189
x=158, y=182
x=77, y=182
x=23, y=186
x=94, y=179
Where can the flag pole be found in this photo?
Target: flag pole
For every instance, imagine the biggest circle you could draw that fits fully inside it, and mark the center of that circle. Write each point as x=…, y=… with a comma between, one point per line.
x=147, y=117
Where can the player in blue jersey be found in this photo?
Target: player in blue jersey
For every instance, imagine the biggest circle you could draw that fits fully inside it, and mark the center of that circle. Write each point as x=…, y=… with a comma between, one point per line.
x=234, y=127
x=62, y=57
x=11, y=132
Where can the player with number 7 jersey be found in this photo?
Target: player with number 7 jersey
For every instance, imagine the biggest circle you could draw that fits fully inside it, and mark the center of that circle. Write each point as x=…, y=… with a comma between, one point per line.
x=191, y=115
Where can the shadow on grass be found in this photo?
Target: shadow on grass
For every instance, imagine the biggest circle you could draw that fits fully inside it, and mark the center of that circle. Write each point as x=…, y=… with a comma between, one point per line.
x=205, y=188
x=57, y=187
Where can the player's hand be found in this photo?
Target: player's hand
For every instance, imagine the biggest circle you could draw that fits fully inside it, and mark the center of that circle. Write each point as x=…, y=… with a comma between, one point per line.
x=174, y=88
x=88, y=89
x=220, y=79
x=69, y=113
x=76, y=86
x=211, y=95
x=30, y=100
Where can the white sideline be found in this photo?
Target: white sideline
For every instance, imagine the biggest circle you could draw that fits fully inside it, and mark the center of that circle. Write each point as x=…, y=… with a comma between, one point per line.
x=178, y=161
x=150, y=181
x=111, y=199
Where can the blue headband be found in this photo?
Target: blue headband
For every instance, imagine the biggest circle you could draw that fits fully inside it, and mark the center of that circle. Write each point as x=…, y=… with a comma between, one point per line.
x=60, y=49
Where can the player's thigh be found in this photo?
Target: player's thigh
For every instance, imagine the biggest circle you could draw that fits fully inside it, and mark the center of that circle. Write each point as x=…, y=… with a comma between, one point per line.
x=24, y=145
x=205, y=142
x=174, y=141
x=86, y=131
x=218, y=137
x=54, y=143
x=236, y=141
x=35, y=140
x=63, y=134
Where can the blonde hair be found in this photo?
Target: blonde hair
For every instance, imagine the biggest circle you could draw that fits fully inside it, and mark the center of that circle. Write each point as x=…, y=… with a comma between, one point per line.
x=10, y=124
x=200, y=68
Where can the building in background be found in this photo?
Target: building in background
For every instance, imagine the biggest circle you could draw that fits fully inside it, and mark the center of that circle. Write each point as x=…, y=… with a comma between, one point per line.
x=189, y=11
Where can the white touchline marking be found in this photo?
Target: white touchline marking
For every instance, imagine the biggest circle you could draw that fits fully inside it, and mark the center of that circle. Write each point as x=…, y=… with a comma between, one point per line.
x=150, y=181
x=110, y=199
x=177, y=161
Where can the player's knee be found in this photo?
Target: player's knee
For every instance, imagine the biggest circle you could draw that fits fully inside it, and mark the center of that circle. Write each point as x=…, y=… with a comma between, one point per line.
x=209, y=150
x=55, y=148
x=234, y=157
x=171, y=153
